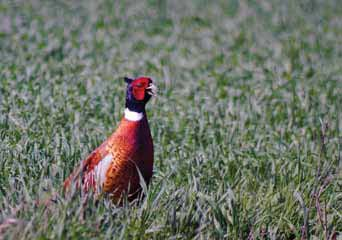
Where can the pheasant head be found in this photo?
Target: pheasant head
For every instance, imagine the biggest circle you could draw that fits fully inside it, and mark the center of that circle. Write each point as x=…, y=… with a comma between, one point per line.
x=138, y=93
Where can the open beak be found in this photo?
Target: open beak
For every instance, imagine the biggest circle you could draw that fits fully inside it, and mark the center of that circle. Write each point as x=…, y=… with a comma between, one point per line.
x=152, y=90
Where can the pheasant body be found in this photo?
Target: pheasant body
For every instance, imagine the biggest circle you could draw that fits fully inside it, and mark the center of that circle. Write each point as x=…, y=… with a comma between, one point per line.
x=116, y=165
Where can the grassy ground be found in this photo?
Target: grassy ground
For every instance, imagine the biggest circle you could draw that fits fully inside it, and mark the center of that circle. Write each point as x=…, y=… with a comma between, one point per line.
x=247, y=125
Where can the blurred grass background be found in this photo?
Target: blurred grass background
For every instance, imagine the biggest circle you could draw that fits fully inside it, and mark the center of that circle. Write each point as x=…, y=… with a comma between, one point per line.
x=247, y=124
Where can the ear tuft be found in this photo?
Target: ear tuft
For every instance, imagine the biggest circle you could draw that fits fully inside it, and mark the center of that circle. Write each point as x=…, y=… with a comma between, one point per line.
x=128, y=80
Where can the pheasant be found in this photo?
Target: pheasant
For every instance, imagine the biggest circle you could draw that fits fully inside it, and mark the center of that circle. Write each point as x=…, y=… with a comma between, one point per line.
x=116, y=166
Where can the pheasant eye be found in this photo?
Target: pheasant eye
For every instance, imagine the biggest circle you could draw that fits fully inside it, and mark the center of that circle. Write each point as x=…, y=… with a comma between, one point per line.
x=139, y=85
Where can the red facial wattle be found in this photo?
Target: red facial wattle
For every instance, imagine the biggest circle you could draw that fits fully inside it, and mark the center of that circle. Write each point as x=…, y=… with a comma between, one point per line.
x=139, y=94
x=139, y=87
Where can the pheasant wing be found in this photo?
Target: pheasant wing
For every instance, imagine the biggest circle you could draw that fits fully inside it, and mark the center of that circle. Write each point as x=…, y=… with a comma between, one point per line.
x=121, y=175
x=86, y=166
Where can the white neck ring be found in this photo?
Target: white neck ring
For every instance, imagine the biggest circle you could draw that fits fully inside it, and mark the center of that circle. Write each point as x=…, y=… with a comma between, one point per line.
x=133, y=116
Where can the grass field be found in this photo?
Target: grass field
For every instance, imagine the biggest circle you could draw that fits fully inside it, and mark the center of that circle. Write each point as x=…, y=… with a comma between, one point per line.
x=246, y=127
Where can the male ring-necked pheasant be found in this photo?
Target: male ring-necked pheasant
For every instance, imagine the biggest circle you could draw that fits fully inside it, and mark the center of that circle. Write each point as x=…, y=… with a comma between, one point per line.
x=116, y=165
